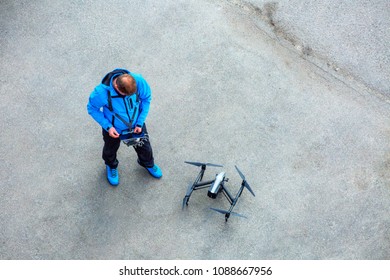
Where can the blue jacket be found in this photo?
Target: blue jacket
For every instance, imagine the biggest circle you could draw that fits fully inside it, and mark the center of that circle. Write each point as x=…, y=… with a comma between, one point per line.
x=136, y=105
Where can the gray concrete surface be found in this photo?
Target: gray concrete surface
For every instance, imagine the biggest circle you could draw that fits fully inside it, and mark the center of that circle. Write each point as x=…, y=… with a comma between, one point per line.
x=314, y=148
x=349, y=39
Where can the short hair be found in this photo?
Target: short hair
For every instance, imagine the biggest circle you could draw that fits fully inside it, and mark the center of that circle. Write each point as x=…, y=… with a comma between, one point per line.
x=122, y=83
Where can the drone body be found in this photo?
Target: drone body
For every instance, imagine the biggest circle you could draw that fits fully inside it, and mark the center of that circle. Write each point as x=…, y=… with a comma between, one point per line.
x=216, y=186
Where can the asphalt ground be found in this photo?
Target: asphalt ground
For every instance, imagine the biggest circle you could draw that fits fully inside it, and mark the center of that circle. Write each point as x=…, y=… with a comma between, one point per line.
x=313, y=148
x=348, y=39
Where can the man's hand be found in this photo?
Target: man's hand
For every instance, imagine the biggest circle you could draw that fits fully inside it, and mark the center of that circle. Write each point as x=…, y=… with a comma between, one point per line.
x=137, y=129
x=113, y=133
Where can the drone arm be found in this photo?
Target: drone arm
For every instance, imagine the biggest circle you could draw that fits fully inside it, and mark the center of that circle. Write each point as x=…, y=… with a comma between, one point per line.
x=238, y=195
x=196, y=185
x=232, y=205
x=227, y=194
x=199, y=177
x=231, y=199
x=202, y=185
x=202, y=172
x=192, y=188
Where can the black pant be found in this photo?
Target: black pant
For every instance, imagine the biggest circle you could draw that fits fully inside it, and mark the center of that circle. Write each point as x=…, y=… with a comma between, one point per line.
x=143, y=150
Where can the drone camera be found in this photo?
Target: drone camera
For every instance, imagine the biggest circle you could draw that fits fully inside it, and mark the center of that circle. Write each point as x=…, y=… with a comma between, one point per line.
x=212, y=195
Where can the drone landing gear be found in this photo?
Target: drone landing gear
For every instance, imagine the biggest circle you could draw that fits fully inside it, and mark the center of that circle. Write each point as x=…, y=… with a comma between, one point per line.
x=194, y=187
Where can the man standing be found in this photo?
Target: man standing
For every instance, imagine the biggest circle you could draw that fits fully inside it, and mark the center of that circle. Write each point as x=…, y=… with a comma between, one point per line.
x=120, y=104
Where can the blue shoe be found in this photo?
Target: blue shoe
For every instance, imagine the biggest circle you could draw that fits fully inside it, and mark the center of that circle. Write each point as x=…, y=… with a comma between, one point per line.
x=155, y=171
x=112, y=176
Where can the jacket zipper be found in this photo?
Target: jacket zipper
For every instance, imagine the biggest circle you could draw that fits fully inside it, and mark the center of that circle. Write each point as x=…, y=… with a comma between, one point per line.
x=127, y=110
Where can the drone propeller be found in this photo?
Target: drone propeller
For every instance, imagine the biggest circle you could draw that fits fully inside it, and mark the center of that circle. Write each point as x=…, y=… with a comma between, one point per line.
x=239, y=172
x=244, y=181
x=201, y=163
x=227, y=212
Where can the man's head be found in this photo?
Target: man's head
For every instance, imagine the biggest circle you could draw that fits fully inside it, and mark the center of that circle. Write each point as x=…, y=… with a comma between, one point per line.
x=125, y=84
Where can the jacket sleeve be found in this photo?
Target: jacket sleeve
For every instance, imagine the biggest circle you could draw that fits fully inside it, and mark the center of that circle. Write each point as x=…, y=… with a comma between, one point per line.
x=145, y=96
x=97, y=100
